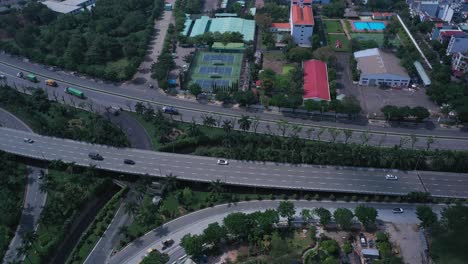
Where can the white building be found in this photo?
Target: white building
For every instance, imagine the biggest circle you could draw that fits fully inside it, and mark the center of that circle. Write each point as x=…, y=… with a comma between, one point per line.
x=302, y=24
x=380, y=68
x=69, y=6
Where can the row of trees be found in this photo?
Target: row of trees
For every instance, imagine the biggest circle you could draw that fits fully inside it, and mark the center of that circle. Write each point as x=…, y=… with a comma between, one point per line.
x=448, y=234
x=343, y=216
x=392, y=112
x=108, y=41
x=59, y=120
x=12, y=183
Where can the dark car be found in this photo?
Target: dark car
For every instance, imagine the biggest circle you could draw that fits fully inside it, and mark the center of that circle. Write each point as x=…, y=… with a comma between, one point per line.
x=170, y=110
x=129, y=162
x=95, y=156
x=167, y=243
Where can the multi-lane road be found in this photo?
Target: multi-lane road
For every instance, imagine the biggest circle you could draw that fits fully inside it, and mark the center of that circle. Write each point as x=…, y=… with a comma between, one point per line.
x=243, y=173
x=101, y=94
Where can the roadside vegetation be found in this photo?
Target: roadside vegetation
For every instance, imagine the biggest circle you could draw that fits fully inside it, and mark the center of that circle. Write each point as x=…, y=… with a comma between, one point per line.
x=155, y=257
x=96, y=230
x=108, y=42
x=12, y=187
x=54, y=119
x=447, y=235
x=69, y=189
x=217, y=138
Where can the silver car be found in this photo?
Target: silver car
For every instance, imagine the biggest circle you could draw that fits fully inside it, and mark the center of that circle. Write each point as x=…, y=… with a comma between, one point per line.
x=391, y=177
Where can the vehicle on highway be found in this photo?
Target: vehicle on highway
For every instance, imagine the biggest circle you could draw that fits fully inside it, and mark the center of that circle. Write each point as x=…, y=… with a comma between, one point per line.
x=32, y=78
x=391, y=177
x=20, y=75
x=397, y=210
x=170, y=110
x=75, y=92
x=363, y=240
x=28, y=140
x=151, y=86
x=223, y=162
x=129, y=162
x=167, y=243
x=95, y=156
x=2, y=77
x=41, y=174
x=50, y=82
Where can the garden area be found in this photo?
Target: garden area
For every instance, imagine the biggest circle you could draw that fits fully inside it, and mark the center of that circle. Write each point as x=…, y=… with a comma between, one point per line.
x=12, y=187
x=54, y=119
x=332, y=26
x=69, y=189
x=345, y=43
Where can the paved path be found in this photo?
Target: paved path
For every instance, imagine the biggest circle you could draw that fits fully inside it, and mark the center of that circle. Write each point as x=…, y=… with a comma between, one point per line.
x=194, y=223
x=345, y=28
x=34, y=199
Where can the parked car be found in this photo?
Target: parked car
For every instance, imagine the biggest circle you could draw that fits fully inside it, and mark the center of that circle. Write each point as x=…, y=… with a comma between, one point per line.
x=223, y=162
x=363, y=240
x=129, y=162
x=170, y=110
x=28, y=140
x=398, y=210
x=2, y=77
x=167, y=243
x=95, y=156
x=371, y=243
x=391, y=177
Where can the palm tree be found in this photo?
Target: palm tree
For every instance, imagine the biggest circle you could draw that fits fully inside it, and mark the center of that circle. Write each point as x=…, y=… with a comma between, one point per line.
x=216, y=187
x=347, y=134
x=429, y=141
x=227, y=126
x=208, y=120
x=256, y=122
x=170, y=182
x=282, y=126
x=244, y=122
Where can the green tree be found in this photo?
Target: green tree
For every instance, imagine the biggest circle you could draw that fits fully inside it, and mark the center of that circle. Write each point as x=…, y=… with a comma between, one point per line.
x=279, y=247
x=366, y=215
x=306, y=214
x=155, y=257
x=187, y=196
x=347, y=247
x=193, y=245
x=216, y=187
x=244, y=123
x=420, y=113
x=344, y=217
x=195, y=89
x=286, y=209
x=330, y=247
x=324, y=215
x=426, y=215
x=236, y=224
x=214, y=233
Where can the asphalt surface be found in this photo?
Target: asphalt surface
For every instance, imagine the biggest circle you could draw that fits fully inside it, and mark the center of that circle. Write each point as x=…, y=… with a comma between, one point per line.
x=102, y=94
x=135, y=132
x=194, y=223
x=34, y=199
x=242, y=173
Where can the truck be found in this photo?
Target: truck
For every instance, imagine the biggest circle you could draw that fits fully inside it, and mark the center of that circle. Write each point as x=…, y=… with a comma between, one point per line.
x=50, y=82
x=75, y=92
x=32, y=78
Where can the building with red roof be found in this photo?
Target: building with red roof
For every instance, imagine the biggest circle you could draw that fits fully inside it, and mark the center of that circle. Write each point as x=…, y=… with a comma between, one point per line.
x=302, y=24
x=316, y=80
x=445, y=35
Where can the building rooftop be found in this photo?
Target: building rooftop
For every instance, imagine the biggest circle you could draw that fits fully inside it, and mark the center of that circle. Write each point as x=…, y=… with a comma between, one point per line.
x=316, y=80
x=302, y=15
x=370, y=252
x=281, y=25
x=234, y=24
x=375, y=61
x=200, y=26
x=59, y=7
x=458, y=44
x=422, y=73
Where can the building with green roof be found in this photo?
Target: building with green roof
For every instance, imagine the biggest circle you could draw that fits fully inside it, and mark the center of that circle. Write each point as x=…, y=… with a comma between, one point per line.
x=224, y=24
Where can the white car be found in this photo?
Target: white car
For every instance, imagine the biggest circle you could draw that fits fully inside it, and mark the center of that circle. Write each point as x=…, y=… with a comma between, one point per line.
x=397, y=210
x=391, y=177
x=28, y=140
x=223, y=162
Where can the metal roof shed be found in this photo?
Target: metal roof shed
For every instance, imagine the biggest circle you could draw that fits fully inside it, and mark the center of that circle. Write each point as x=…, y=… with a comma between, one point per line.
x=422, y=73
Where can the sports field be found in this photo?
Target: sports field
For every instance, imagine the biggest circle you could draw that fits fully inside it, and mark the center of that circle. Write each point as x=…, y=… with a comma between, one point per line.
x=216, y=70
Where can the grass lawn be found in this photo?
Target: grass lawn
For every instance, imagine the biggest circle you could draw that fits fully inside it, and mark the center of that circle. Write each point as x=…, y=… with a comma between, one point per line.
x=119, y=67
x=287, y=68
x=333, y=26
x=300, y=241
x=346, y=45
x=377, y=37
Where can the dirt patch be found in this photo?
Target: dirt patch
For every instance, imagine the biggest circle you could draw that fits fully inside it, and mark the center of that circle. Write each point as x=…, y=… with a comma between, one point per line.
x=274, y=61
x=407, y=239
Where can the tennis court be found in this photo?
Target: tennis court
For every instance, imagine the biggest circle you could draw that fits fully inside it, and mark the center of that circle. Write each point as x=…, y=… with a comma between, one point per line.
x=210, y=83
x=217, y=58
x=219, y=70
x=215, y=70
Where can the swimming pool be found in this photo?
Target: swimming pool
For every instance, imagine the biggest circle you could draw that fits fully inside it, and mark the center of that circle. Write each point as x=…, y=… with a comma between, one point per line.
x=369, y=25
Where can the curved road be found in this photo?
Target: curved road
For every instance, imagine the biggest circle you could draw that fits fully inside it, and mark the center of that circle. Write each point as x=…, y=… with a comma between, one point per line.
x=101, y=94
x=34, y=199
x=195, y=222
x=243, y=173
